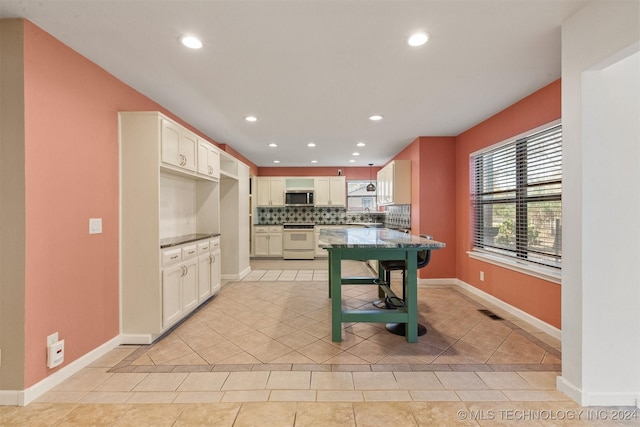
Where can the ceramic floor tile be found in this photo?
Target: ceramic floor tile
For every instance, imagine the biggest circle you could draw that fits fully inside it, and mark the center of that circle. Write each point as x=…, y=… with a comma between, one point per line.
x=292, y=396
x=121, y=382
x=325, y=415
x=417, y=381
x=289, y=380
x=270, y=341
x=461, y=381
x=376, y=414
x=339, y=396
x=160, y=382
x=374, y=381
x=246, y=396
x=332, y=381
x=246, y=381
x=266, y=414
x=203, y=381
x=504, y=380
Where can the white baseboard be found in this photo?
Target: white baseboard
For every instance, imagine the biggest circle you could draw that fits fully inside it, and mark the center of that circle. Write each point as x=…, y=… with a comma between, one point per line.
x=24, y=397
x=137, y=339
x=241, y=275
x=522, y=315
x=585, y=398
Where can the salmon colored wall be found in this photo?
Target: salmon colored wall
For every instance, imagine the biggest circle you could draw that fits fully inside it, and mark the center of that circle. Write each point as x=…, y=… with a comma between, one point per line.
x=537, y=297
x=433, y=178
x=350, y=173
x=71, y=155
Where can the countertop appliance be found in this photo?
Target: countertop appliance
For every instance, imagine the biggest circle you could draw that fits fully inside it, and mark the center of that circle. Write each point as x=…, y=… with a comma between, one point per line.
x=298, y=241
x=298, y=198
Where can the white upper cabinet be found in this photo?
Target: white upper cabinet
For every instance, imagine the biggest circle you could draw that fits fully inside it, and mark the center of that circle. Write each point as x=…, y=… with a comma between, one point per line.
x=330, y=191
x=178, y=146
x=208, y=159
x=394, y=183
x=270, y=191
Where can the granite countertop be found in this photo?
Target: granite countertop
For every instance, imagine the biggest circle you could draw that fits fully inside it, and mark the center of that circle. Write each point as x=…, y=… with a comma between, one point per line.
x=187, y=238
x=373, y=238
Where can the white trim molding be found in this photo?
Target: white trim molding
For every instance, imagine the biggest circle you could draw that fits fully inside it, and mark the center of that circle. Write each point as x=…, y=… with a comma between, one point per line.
x=585, y=398
x=541, y=272
x=24, y=397
x=522, y=315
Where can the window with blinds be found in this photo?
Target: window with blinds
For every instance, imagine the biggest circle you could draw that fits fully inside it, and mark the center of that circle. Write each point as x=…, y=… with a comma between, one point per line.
x=516, y=196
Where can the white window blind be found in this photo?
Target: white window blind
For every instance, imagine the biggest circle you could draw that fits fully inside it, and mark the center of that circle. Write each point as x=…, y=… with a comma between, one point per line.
x=516, y=196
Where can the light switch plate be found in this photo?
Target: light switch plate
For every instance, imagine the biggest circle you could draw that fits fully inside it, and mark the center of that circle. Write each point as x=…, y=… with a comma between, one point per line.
x=95, y=225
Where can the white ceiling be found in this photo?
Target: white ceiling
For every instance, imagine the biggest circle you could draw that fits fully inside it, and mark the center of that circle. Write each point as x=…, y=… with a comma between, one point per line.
x=315, y=70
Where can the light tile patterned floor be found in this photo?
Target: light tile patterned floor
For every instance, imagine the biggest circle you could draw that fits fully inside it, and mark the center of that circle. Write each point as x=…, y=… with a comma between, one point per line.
x=260, y=353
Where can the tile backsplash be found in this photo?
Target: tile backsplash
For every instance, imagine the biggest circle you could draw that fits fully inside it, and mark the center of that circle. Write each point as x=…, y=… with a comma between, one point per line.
x=393, y=216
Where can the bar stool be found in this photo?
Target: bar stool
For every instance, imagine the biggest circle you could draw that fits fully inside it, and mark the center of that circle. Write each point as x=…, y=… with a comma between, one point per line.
x=393, y=265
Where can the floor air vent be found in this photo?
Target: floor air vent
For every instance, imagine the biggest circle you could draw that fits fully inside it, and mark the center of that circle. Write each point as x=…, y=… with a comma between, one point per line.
x=490, y=314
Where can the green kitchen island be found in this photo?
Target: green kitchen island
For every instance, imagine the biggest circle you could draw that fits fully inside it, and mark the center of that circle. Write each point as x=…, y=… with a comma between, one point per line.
x=373, y=244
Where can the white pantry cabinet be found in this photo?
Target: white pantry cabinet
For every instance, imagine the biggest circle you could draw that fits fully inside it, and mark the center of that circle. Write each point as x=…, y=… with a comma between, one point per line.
x=330, y=191
x=146, y=310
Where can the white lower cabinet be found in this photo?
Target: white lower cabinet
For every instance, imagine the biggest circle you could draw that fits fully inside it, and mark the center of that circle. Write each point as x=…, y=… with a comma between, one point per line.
x=267, y=240
x=188, y=278
x=209, y=271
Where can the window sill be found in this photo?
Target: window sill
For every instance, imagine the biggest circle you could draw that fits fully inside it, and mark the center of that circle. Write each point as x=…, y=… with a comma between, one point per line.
x=548, y=274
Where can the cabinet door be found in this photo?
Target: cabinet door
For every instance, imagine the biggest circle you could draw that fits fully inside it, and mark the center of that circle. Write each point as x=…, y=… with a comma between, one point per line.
x=216, y=272
x=171, y=295
x=203, y=157
x=277, y=191
x=261, y=244
x=204, y=277
x=170, y=143
x=188, y=150
x=213, y=161
x=337, y=191
x=263, y=191
x=190, y=285
x=275, y=243
x=321, y=191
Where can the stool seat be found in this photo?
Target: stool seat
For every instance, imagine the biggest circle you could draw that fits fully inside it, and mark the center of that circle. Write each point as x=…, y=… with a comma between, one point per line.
x=398, y=264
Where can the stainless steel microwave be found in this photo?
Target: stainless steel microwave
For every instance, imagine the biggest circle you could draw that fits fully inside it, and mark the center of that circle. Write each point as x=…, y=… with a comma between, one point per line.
x=298, y=198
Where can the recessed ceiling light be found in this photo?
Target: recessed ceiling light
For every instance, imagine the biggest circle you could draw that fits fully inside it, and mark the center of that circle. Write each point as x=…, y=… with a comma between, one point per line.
x=276, y=161
x=418, y=39
x=191, y=42
x=273, y=145
x=251, y=118
x=361, y=144
x=311, y=144
x=314, y=161
x=355, y=154
x=352, y=161
x=375, y=117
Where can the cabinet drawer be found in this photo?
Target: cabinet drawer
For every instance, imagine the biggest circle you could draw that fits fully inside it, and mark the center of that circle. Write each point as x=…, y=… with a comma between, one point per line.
x=204, y=247
x=260, y=229
x=171, y=256
x=189, y=251
x=214, y=244
x=276, y=229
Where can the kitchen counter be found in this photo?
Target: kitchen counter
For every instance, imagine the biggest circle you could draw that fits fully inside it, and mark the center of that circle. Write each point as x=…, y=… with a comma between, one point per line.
x=370, y=238
x=374, y=244
x=178, y=240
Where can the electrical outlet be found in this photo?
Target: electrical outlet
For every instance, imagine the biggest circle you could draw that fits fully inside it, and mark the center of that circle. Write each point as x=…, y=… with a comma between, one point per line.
x=482, y=276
